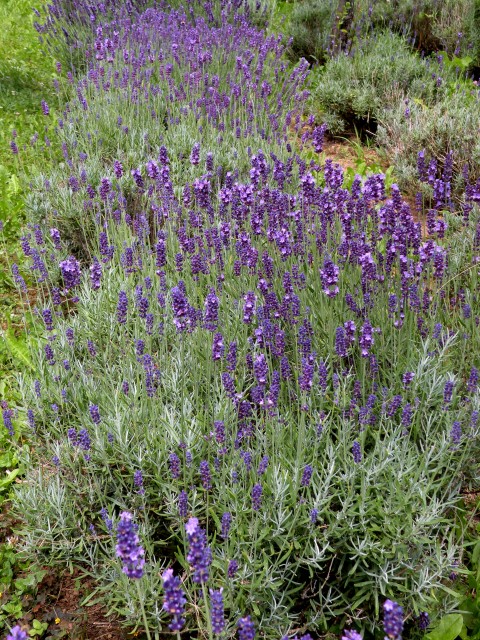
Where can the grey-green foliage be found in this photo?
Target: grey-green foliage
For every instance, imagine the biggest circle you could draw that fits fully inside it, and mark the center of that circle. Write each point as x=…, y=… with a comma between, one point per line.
x=452, y=123
x=131, y=128
x=377, y=76
x=383, y=527
x=311, y=27
x=432, y=25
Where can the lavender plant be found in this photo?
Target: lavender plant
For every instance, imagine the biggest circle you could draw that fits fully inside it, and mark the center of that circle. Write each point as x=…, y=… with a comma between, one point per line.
x=272, y=375
x=236, y=97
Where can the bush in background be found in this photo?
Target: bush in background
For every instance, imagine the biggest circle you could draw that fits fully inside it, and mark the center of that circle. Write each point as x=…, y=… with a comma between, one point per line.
x=449, y=124
x=377, y=76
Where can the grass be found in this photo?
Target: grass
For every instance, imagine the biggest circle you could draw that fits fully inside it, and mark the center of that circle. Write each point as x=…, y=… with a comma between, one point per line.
x=25, y=79
x=26, y=75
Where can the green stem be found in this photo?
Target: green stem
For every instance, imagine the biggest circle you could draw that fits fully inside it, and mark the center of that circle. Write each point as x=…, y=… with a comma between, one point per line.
x=144, y=615
x=207, y=611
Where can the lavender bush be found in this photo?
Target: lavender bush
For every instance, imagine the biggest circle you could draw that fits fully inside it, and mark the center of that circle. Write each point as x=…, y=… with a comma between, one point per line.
x=273, y=377
x=161, y=81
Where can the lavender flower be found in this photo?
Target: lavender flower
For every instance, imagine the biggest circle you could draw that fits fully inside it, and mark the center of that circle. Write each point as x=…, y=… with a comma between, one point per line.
x=473, y=380
x=456, y=432
x=174, y=464
x=232, y=568
x=351, y=634
x=199, y=554
x=122, y=307
x=340, y=342
x=226, y=522
x=232, y=357
x=47, y=319
x=423, y=621
x=306, y=476
x=392, y=619
x=128, y=547
x=407, y=415
x=211, y=310
x=262, y=467
x=183, y=504
x=356, y=452
x=94, y=413
x=118, y=169
x=448, y=391
x=249, y=307
x=7, y=421
x=216, y=611
x=180, y=307
x=219, y=427
x=407, y=378
x=366, y=339
x=195, y=155
x=71, y=272
x=218, y=348
x=138, y=481
x=257, y=497
x=205, y=475
x=95, y=274
x=246, y=629
x=17, y=633
x=174, y=600
x=329, y=277
x=260, y=369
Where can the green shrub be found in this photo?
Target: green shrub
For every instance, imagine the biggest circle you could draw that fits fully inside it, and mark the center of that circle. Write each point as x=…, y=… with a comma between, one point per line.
x=450, y=124
x=311, y=29
x=378, y=76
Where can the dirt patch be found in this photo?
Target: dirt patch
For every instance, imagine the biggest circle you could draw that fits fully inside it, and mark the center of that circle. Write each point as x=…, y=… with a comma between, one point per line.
x=345, y=154
x=58, y=602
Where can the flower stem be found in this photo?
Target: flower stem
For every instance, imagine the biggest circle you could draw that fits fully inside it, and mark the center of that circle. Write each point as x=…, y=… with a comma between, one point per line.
x=144, y=615
x=207, y=611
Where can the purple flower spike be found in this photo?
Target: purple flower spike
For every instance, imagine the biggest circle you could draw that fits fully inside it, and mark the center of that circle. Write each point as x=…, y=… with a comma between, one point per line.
x=218, y=347
x=17, y=633
x=366, y=339
x=195, y=155
x=246, y=629
x=340, y=342
x=205, y=475
x=456, y=432
x=257, y=497
x=351, y=634
x=448, y=391
x=249, y=307
x=392, y=619
x=226, y=522
x=174, y=464
x=71, y=272
x=407, y=378
x=232, y=568
x=95, y=413
x=122, y=307
x=357, y=452
x=211, y=310
x=306, y=476
x=128, y=547
x=183, y=504
x=329, y=277
x=423, y=621
x=173, y=599
x=199, y=554
x=216, y=611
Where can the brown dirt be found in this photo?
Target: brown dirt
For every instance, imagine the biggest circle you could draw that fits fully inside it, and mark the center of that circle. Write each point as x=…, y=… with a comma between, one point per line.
x=344, y=154
x=58, y=602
